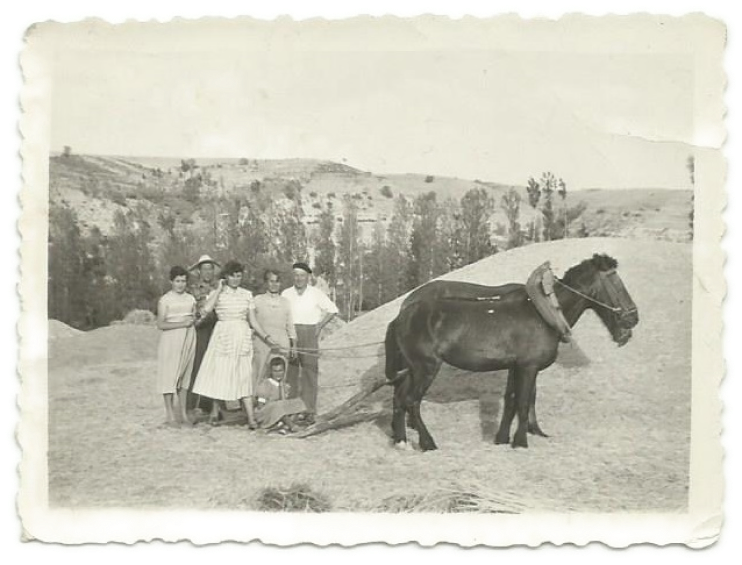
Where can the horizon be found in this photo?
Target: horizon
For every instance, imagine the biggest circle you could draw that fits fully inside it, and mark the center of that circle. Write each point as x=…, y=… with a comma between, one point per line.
x=58, y=153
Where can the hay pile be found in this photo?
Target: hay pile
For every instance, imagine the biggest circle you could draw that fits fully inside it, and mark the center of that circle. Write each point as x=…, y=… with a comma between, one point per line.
x=59, y=330
x=138, y=318
x=455, y=497
x=298, y=497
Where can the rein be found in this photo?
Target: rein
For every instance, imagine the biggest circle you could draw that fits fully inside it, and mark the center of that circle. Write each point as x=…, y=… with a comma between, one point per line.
x=590, y=298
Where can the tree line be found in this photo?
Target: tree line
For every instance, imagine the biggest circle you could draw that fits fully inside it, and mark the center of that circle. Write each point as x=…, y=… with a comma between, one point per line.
x=95, y=278
x=427, y=237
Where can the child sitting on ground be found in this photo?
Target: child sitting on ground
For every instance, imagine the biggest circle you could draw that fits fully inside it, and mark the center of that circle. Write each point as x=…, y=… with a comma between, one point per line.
x=275, y=411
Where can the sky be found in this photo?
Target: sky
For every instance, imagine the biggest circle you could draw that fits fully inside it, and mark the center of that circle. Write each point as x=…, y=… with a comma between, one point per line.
x=596, y=119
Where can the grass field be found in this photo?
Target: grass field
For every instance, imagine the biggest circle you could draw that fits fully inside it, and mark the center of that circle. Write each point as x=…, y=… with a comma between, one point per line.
x=619, y=418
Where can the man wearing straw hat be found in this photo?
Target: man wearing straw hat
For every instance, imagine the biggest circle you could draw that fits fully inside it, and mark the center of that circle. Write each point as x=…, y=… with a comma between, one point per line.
x=205, y=282
x=311, y=309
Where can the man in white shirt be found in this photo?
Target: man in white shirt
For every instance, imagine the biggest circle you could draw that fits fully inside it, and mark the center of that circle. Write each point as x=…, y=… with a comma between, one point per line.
x=311, y=310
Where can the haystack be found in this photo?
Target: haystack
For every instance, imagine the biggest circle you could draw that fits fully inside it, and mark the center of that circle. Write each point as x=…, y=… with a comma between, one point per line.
x=59, y=330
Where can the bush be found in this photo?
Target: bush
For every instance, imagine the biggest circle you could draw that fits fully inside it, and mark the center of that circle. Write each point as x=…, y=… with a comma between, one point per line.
x=429, y=178
x=299, y=497
x=140, y=318
x=386, y=190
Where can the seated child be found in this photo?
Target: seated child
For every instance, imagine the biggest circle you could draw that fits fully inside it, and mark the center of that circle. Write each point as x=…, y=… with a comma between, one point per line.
x=274, y=409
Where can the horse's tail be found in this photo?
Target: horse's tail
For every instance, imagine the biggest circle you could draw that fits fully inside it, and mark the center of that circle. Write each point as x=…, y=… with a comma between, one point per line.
x=395, y=361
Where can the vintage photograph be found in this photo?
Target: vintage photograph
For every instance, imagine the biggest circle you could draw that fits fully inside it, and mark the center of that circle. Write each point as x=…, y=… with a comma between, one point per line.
x=420, y=275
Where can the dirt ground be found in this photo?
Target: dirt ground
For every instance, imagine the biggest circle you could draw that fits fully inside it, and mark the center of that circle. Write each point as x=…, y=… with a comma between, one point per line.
x=619, y=418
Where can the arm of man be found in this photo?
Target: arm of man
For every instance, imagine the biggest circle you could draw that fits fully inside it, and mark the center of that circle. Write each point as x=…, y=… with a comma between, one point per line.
x=328, y=307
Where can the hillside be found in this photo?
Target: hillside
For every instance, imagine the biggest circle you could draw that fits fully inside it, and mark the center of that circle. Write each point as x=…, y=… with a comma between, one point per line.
x=97, y=186
x=619, y=424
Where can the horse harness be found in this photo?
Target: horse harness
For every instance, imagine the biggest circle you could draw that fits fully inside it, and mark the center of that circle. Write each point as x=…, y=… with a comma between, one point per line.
x=608, y=280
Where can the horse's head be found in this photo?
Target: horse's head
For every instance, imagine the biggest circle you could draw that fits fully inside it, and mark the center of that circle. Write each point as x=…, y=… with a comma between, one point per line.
x=597, y=279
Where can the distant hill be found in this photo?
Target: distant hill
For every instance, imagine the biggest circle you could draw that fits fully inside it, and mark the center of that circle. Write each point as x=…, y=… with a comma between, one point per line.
x=96, y=186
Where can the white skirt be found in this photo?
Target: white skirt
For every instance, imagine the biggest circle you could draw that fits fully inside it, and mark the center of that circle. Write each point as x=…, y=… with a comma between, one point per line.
x=226, y=370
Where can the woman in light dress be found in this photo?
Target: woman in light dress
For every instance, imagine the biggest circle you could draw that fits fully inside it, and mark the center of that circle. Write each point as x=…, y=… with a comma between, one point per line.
x=273, y=312
x=177, y=347
x=226, y=370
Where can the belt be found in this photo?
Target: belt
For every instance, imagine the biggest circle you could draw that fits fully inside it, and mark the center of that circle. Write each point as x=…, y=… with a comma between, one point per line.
x=305, y=325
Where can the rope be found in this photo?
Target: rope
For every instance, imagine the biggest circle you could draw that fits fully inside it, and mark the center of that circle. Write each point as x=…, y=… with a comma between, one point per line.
x=345, y=347
x=590, y=298
x=320, y=351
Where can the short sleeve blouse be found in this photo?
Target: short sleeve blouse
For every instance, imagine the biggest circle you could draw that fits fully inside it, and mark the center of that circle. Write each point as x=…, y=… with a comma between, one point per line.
x=233, y=304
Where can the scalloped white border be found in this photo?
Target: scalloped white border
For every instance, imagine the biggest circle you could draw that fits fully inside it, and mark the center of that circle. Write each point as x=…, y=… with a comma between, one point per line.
x=382, y=551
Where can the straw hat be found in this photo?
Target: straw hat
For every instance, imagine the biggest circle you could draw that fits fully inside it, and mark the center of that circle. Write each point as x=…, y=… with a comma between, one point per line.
x=201, y=260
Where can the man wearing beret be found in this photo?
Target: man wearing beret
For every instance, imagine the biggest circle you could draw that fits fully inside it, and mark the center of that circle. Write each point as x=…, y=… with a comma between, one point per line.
x=311, y=310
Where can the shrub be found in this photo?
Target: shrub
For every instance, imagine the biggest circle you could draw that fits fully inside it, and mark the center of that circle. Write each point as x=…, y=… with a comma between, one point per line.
x=429, y=178
x=140, y=318
x=386, y=190
x=299, y=497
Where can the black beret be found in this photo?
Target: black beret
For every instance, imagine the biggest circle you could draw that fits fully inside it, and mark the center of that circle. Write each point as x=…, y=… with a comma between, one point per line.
x=302, y=266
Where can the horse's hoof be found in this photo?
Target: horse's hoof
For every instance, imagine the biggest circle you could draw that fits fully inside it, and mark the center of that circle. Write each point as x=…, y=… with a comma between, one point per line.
x=402, y=446
x=428, y=447
x=502, y=440
x=536, y=431
x=523, y=444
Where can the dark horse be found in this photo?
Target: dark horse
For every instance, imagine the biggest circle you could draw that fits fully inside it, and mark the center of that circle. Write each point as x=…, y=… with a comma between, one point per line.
x=436, y=290
x=495, y=331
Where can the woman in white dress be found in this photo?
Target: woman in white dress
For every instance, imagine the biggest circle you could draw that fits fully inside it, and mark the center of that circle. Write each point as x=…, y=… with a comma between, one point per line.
x=177, y=347
x=226, y=370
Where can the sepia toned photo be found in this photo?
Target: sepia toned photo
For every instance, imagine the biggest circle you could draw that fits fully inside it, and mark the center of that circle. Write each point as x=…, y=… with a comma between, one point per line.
x=384, y=279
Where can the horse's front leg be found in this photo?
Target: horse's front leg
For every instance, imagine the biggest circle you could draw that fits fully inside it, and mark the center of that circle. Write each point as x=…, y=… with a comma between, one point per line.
x=508, y=410
x=523, y=391
x=533, y=427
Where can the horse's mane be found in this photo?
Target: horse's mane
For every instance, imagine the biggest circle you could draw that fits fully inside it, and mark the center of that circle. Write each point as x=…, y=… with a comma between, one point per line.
x=599, y=262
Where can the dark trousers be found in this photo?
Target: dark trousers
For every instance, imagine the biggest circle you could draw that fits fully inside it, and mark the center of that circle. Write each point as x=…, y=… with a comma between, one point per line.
x=303, y=377
x=203, y=336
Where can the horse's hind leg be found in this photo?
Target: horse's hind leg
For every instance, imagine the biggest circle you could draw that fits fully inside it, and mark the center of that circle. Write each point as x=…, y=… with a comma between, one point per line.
x=424, y=376
x=399, y=408
x=533, y=427
x=508, y=410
